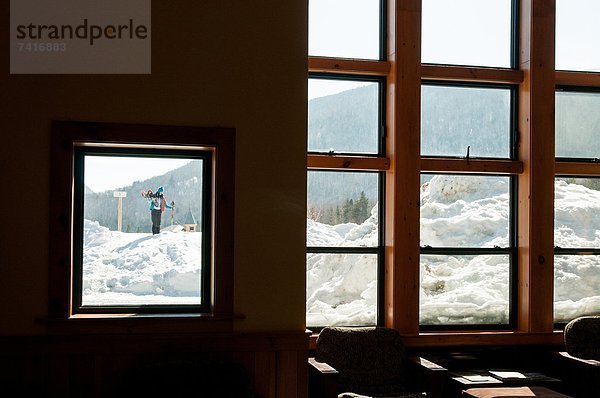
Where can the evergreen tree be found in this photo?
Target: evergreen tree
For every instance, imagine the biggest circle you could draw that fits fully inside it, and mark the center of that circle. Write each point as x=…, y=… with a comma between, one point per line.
x=362, y=207
x=347, y=211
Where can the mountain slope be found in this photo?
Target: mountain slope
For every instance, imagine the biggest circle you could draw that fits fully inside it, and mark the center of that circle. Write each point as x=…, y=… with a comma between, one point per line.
x=182, y=185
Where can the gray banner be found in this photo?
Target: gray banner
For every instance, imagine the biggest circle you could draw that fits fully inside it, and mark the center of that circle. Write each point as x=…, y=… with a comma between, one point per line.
x=80, y=37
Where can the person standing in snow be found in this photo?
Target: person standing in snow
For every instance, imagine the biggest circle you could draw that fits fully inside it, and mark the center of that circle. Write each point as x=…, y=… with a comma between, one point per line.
x=158, y=203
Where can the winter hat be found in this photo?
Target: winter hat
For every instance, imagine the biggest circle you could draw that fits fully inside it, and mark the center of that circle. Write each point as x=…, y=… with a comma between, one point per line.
x=159, y=190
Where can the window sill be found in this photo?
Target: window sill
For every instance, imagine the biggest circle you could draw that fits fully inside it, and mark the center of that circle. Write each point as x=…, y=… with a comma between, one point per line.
x=140, y=323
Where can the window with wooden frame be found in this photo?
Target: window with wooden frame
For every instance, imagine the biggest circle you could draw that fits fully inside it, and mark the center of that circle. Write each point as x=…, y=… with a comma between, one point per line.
x=468, y=274
x=345, y=193
x=346, y=165
x=508, y=49
x=468, y=220
x=577, y=151
x=116, y=251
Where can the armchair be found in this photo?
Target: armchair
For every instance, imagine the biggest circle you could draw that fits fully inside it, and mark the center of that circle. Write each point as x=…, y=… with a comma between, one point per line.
x=370, y=362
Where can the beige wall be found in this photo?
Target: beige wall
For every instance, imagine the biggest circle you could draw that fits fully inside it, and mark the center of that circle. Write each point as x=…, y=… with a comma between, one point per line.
x=229, y=63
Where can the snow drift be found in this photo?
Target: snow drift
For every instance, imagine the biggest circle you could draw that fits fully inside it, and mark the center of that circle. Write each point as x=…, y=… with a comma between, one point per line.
x=140, y=268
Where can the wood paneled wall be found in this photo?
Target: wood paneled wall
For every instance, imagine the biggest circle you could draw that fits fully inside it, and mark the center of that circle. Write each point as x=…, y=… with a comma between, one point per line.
x=275, y=364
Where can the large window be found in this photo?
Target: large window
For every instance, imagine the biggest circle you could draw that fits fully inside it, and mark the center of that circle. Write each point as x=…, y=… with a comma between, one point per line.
x=150, y=226
x=469, y=159
x=467, y=220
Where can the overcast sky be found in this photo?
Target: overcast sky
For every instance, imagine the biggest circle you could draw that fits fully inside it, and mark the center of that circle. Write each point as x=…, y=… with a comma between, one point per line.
x=109, y=172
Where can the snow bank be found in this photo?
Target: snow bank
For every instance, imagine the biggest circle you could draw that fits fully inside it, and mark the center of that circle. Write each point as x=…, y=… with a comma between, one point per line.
x=140, y=268
x=456, y=211
x=577, y=215
x=465, y=211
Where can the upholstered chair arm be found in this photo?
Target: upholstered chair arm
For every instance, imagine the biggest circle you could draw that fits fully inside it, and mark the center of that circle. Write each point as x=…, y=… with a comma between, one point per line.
x=431, y=376
x=567, y=358
x=323, y=379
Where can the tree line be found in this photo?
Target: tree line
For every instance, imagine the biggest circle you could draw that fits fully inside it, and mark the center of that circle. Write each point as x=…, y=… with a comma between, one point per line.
x=350, y=211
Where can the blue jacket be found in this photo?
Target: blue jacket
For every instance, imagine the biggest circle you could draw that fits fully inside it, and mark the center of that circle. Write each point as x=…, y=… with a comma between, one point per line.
x=159, y=202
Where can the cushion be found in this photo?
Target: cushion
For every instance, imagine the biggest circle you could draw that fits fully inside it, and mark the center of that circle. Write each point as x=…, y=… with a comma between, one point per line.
x=582, y=337
x=370, y=361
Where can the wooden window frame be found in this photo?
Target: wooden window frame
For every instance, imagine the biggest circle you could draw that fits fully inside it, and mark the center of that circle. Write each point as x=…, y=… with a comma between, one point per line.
x=66, y=136
x=534, y=167
x=510, y=251
x=578, y=170
x=455, y=76
x=577, y=167
x=80, y=152
x=371, y=162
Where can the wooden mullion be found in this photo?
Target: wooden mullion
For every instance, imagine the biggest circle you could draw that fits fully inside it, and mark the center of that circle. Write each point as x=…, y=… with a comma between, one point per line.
x=536, y=150
x=348, y=66
x=582, y=79
x=471, y=74
x=577, y=169
x=471, y=166
x=347, y=162
x=401, y=310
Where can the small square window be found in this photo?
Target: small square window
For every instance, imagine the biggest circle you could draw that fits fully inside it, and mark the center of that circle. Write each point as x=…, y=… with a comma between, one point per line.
x=134, y=211
x=141, y=220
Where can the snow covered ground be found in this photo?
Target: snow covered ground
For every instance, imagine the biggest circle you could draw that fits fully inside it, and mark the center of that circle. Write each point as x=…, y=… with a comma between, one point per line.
x=140, y=268
x=456, y=211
